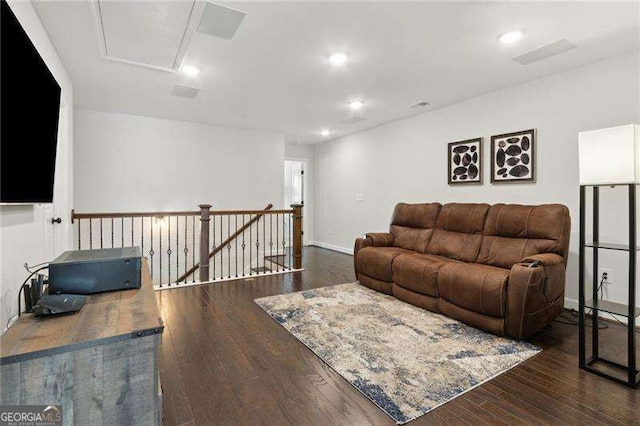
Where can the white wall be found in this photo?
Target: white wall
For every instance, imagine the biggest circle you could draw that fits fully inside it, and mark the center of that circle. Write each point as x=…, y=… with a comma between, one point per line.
x=406, y=160
x=298, y=150
x=132, y=163
x=26, y=233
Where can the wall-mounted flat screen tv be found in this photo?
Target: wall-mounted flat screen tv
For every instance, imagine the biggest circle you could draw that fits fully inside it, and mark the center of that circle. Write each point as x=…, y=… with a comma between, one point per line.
x=30, y=109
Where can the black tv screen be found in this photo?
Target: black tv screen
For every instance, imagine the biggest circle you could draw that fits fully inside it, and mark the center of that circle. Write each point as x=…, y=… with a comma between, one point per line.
x=29, y=114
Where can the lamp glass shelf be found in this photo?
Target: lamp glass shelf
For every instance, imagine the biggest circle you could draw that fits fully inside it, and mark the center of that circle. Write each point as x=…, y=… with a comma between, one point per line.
x=609, y=246
x=610, y=307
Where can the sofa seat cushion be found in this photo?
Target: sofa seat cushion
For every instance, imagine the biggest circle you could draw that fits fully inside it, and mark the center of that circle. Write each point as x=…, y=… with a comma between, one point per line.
x=418, y=272
x=478, y=288
x=376, y=261
x=377, y=285
x=417, y=299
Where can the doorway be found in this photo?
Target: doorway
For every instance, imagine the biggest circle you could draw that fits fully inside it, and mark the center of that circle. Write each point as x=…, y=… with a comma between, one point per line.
x=295, y=189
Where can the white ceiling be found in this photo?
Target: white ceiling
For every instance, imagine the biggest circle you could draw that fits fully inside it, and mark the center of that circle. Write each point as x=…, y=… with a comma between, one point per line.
x=274, y=74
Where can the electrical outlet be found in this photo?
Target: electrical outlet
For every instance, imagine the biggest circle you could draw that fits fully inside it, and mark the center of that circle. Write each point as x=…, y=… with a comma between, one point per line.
x=605, y=276
x=330, y=231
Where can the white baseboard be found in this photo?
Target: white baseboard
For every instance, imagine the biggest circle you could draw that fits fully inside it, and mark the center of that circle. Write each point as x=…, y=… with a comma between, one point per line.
x=570, y=303
x=331, y=247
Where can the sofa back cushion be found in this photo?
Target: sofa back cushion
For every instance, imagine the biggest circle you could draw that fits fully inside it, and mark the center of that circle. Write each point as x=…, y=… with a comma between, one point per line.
x=412, y=225
x=513, y=232
x=458, y=231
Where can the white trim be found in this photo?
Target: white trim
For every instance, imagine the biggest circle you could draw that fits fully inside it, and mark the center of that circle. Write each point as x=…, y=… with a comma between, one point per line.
x=331, y=247
x=139, y=64
x=247, y=277
x=197, y=11
x=570, y=303
x=302, y=159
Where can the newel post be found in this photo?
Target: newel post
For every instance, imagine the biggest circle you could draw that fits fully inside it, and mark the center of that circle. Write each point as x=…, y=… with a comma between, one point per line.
x=205, y=210
x=297, y=235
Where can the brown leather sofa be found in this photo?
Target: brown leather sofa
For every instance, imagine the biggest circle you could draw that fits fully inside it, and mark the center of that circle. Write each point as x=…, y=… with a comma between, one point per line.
x=473, y=262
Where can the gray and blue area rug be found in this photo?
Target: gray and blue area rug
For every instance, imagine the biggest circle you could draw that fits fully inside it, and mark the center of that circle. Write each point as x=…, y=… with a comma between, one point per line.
x=405, y=359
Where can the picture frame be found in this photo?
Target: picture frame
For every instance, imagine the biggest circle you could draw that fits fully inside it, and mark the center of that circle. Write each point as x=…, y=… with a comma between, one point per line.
x=513, y=157
x=465, y=162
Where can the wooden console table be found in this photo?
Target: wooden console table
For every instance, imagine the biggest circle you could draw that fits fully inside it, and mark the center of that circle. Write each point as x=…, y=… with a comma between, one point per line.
x=99, y=364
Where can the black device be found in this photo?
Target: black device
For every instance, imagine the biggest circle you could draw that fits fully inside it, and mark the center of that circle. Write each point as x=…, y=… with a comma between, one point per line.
x=37, y=287
x=33, y=292
x=95, y=271
x=29, y=112
x=55, y=304
x=28, y=299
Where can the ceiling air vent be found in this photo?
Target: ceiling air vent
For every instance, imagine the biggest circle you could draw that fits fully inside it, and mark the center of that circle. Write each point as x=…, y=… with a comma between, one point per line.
x=220, y=21
x=420, y=104
x=545, y=52
x=353, y=120
x=185, y=91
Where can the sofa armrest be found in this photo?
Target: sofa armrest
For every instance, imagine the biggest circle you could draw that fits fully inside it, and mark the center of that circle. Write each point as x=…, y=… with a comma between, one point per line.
x=372, y=239
x=546, y=259
x=380, y=239
x=359, y=245
x=535, y=295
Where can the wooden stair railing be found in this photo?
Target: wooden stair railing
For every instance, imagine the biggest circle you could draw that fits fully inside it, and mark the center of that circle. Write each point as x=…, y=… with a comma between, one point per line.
x=173, y=242
x=225, y=243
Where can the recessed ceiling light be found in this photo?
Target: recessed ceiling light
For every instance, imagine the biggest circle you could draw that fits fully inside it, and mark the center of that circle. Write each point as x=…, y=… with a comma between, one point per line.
x=190, y=70
x=511, y=36
x=356, y=104
x=325, y=132
x=338, y=58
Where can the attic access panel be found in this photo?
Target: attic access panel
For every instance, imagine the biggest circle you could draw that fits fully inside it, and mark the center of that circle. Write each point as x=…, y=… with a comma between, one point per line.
x=148, y=34
x=157, y=34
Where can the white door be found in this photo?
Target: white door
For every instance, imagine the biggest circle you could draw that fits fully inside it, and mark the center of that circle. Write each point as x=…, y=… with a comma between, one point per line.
x=57, y=235
x=295, y=181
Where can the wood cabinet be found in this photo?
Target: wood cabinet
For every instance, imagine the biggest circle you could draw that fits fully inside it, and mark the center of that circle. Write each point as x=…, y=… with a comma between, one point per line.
x=99, y=364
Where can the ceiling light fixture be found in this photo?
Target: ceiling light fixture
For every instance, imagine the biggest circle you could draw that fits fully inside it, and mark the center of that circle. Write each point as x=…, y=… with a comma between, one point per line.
x=325, y=132
x=510, y=36
x=190, y=70
x=338, y=58
x=355, y=105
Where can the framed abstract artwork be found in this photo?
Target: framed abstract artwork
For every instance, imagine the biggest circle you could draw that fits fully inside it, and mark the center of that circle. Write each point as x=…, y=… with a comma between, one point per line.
x=513, y=157
x=465, y=161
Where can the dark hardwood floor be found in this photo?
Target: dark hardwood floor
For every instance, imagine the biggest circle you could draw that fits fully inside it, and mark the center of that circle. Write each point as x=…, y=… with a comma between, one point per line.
x=225, y=361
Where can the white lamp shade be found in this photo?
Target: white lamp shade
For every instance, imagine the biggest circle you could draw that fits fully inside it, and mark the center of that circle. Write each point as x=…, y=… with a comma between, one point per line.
x=610, y=156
